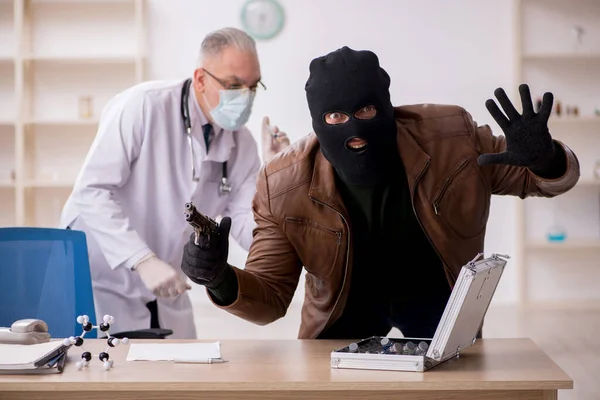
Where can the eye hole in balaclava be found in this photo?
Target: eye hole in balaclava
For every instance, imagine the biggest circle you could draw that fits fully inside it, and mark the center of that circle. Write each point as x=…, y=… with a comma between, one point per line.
x=355, y=144
x=352, y=115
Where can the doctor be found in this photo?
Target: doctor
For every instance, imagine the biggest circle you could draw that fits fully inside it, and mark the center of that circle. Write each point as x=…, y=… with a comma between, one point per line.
x=159, y=145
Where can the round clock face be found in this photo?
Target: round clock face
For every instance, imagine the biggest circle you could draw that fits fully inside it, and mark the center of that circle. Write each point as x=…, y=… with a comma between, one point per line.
x=262, y=19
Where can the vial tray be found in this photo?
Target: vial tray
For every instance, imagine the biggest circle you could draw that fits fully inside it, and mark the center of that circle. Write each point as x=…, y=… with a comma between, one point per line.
x=457, y=329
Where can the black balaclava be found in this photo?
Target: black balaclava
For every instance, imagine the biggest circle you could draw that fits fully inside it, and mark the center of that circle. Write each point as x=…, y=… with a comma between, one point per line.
x=345, y=81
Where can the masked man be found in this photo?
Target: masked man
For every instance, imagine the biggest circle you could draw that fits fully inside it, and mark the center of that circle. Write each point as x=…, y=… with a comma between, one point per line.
x=381, y=205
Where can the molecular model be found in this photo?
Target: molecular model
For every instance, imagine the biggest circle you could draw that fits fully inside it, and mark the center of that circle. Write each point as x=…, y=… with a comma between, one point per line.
x=87, y=326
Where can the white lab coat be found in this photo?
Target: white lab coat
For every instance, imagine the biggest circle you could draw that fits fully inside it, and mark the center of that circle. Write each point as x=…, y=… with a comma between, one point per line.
x=130, y=194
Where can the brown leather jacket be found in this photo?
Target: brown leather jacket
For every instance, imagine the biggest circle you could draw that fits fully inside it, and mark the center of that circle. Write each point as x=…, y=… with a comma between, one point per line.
x=303, y=222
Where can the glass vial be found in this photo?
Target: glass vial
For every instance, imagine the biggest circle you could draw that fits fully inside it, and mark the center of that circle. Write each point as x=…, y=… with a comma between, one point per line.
x=85, y=107
x=556, y=233
x=597, y=170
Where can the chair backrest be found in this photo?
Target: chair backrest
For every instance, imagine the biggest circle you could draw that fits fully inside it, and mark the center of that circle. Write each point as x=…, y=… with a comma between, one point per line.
x=45, y=274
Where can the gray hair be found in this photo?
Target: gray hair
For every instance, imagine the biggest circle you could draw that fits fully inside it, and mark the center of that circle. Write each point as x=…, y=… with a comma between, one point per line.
x=217, y=40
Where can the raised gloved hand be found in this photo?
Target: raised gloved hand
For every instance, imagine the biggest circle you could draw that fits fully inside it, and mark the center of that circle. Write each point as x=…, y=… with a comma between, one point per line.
x=528, y=140
x=160, y=278
x=208, y=266
x=273, y=140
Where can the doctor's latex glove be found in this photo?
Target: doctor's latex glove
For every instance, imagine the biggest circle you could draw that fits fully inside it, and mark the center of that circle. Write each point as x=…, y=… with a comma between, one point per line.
x=528, y=140
x=273, y=140
x=160, y=278
x=208, y=266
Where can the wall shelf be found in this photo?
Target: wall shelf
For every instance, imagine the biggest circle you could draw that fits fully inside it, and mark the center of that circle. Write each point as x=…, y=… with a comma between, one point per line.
x=58, y=55
x=569, y=244
x=59, y=123
x=84, y=59
x=49, y=184
x=550, y=57
x=588, y=182
x=70, y=2
x=574, y=120
x=561, y=57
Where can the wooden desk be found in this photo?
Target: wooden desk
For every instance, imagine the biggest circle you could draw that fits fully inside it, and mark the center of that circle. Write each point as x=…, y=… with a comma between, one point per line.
x=300, y=369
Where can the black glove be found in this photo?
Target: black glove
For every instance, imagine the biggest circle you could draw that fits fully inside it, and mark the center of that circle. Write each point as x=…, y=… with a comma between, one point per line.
x=208, y=266
x=528, y=140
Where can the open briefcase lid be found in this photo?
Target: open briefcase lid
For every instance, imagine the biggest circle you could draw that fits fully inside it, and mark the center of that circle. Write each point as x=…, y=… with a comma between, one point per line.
x=467, y=306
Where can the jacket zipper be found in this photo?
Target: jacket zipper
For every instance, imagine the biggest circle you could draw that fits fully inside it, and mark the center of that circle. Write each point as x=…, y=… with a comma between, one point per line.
x=456, y=170
x=347, y=255
x=336, y=233
x=419, y=221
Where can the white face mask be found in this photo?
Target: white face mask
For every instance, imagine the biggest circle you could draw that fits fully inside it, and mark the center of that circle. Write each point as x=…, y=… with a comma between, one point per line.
x=234, y=108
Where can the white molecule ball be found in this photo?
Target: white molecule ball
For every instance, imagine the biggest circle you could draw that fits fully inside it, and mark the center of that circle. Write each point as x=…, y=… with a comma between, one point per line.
x=67, y=341
x=125, y=341
x=115, y=342
x=72, y=339
x=80, y=319
x=85, y=363
x=86, y=319
x=106, y=319
x=107, y=365
x=79, y=364
x=112, y=320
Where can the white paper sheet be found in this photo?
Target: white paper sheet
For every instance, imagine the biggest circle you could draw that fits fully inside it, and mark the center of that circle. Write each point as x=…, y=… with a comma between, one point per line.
x=173, y=351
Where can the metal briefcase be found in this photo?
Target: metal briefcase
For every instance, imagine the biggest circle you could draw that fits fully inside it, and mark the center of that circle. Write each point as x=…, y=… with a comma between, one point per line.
x=457, y=329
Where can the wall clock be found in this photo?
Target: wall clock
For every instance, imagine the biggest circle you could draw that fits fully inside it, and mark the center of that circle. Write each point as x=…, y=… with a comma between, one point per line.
x=262, y=19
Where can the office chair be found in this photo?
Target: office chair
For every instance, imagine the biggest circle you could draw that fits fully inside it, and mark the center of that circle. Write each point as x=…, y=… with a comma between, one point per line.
x=45, y=274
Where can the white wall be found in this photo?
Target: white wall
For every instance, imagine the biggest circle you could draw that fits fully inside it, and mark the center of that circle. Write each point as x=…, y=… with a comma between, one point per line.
x=435, y=51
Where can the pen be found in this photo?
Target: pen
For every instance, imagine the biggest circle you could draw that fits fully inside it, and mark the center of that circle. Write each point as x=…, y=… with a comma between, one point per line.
x=200, y=360
x=54, y=360
x=61, y=363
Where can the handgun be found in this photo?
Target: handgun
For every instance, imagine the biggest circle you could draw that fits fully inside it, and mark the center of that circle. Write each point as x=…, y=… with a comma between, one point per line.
x=203, y=226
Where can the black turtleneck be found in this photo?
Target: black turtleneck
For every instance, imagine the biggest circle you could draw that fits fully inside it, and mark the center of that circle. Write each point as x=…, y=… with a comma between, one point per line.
x=394, y=264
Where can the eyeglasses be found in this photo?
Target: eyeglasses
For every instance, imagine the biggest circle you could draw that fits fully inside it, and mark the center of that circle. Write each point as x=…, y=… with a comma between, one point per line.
x=227, y=86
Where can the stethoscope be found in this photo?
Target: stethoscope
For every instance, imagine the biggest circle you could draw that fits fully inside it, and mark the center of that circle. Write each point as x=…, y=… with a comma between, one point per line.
x=224, y=187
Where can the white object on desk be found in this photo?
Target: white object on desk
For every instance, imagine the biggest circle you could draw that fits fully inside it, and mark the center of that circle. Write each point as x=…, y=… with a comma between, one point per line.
x=25, y=331
x=190, y=352
x=29, y=356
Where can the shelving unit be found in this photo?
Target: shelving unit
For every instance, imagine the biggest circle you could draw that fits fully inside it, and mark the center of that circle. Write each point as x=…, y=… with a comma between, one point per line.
x=56, y=54
x=558, y=50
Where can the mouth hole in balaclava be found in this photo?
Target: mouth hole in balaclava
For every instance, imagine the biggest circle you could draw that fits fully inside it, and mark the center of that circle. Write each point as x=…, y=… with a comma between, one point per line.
x=357, y=145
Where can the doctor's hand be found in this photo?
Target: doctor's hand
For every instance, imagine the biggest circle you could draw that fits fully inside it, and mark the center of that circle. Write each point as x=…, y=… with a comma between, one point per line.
x=208, y=266
x=273, y=140
x=160, y=278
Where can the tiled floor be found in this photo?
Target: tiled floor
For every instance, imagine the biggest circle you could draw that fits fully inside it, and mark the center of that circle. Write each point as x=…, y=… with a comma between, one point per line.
x=570, y=337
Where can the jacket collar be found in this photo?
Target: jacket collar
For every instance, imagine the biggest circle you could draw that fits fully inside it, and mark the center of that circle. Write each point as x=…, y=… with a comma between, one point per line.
x=414, y=159
x=222, y=141
x=323, y=185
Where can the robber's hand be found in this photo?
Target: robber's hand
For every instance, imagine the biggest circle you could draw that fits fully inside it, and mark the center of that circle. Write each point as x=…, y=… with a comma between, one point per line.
x=206, y=266
x=528, y=140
